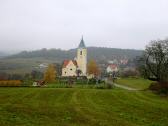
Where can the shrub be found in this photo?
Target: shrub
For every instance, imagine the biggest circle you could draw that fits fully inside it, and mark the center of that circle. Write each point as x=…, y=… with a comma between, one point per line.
x=81, y=81
x=10, y=83
x=109, y=85
x=129, y=73
x=104, y=86
x=161, y=88
x=100, y=86
x=92, y=81
x=154, y=86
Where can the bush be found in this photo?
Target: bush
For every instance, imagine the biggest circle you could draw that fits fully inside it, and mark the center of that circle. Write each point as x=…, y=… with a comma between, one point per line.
x=10, y=83
x=109, y=85
x=161, y=88
x=27, y=83
x=129, y=73
x=104, y=86
x=154, y=86
x=81, y=81
x=100, y=86
x=92, y=81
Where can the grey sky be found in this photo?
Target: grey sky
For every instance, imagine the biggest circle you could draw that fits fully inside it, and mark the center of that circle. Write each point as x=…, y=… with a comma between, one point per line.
x=35, y=24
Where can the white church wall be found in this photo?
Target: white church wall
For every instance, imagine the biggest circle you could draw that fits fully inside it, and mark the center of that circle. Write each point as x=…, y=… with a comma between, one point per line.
x=69, y=70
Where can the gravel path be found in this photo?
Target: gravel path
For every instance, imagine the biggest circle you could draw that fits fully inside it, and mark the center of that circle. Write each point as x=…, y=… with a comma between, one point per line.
x=122, y=86
x=125, y=87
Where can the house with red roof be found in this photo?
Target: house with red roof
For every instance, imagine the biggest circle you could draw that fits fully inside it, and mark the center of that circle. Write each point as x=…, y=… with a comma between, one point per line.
x=112, y=68
x=69, y=68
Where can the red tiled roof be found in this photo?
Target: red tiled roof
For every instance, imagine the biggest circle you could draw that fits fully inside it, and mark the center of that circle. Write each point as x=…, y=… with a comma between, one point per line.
x=113, y=66
x=66, y=62
x=74, y=62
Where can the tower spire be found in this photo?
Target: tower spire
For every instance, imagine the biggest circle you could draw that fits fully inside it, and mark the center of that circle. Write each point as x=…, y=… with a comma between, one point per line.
x=82, y=44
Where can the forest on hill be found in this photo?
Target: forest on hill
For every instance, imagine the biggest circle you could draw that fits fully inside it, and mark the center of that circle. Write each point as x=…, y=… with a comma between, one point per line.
x=26, y=61
x=97, y=53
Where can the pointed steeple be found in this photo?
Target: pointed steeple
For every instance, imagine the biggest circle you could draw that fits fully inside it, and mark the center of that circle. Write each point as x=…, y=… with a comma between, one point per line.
x=82, y=44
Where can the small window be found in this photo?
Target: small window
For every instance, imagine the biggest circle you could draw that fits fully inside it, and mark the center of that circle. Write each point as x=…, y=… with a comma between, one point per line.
x=80, y=52
x=71, y=69
x=65, y=72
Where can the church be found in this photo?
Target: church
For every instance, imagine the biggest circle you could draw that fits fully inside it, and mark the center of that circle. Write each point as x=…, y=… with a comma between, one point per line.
x=78, y=66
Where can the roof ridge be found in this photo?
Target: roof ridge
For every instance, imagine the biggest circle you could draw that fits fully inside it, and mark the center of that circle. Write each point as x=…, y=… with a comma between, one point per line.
x=66, y=62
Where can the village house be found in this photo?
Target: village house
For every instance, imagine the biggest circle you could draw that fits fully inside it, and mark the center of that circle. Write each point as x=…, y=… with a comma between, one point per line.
x=112, y=68
x=69, y=68
x=124, y=61
x=78, y=66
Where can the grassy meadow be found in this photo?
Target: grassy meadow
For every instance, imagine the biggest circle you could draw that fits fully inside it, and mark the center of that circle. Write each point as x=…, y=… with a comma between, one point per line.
x=138, y=83
x=81, y=107
x=22, y=65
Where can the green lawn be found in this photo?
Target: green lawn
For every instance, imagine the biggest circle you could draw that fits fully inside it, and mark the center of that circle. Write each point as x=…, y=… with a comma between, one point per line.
x=81, y=107
x=138, y=83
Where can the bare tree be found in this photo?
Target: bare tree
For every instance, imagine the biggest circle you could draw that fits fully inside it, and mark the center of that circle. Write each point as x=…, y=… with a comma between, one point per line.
x=156, y=60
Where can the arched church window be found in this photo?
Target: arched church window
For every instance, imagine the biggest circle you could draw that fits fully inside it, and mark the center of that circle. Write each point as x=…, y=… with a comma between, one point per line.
x=80, y=52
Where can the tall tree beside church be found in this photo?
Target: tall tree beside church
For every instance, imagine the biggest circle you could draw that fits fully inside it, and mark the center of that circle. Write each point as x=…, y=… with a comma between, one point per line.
x=50, y=74
x=93, y=68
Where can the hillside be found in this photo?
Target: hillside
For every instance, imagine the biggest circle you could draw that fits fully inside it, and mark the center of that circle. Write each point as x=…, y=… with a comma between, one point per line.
x=97, y=53
x=2, y=54
x=26, y=61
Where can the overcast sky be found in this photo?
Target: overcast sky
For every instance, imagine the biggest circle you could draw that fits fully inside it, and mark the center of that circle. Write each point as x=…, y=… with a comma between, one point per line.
x=35, y=24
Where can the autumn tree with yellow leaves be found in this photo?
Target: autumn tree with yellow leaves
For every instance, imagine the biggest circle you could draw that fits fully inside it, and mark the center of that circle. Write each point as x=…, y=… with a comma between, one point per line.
x=50, y=74
x=93, y=69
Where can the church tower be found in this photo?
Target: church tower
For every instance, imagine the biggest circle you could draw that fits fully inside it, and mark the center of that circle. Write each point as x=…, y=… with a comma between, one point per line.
x=82, y=58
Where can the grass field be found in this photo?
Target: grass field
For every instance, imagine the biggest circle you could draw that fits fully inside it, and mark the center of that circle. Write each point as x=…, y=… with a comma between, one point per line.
x=138, y=83
x=81, y=107
x=22, y=65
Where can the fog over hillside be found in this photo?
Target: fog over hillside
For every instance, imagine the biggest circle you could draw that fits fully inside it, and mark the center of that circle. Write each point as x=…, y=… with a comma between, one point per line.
x=3, y=54
x=97, y=53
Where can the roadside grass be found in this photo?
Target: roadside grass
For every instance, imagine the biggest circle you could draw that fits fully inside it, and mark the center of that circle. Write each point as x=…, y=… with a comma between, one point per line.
x=138, y=83
x=81, y=107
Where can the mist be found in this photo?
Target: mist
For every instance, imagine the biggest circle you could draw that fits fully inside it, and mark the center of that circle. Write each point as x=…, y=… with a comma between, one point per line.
x=36, y=24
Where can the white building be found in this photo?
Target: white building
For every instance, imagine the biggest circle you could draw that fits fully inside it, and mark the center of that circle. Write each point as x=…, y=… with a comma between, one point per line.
x=112, y=68
x=79, y=65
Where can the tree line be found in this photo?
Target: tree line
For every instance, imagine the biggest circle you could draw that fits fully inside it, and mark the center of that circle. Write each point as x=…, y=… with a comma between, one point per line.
x=98, y=53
